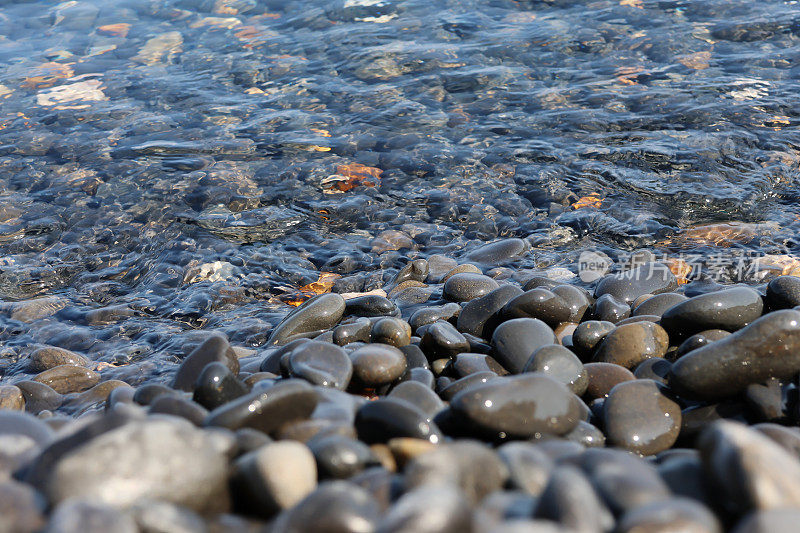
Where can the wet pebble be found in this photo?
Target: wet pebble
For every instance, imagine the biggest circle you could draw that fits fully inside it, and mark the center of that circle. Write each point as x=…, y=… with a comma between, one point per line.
x=466, y=286
x=728, y=309
x=429, y=509
x=607, y=308
x=640, y=417
x=588, y=335
x=514, y=341
x=560, y=364
x=769, y=347
x=518, y=406
x=377, y=364
x=392, y=331
x=11, y=397
x=267, y=409
x=650, y=278
x=65, y=379
x=320, y=363
x=674, y=514
x=340, y=457
x=384, y=419
x=442, y=339
x=318, y=313
x=539, y=303
x=49, y=357
x=476, y=318
x=630, y=344
x=658, y=304
x=216, y=386
x=603, y=377
x=334, y=506
x=783, y=292
x=215, y=348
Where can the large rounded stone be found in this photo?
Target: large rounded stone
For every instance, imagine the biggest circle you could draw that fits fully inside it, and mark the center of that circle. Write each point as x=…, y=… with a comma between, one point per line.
x=539, y=303
x=467, y=286
x=630, y=344
x=514, y=341
x=769, y=347
x=318, y=313
x=650, y=278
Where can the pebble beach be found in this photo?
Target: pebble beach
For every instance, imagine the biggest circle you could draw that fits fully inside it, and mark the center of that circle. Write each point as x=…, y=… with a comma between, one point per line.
x=376, y=266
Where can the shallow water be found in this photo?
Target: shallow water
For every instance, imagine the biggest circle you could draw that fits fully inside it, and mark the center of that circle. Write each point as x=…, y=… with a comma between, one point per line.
x=192, y=164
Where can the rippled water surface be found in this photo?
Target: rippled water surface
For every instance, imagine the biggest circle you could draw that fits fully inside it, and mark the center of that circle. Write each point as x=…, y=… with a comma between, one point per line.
x=168, y=166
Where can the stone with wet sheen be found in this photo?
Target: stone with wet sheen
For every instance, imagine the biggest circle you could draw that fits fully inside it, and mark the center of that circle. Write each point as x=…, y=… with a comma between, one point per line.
x=640, y=417
x=769, y=347
x=560, y=364
x=514, y=341
x=267, y=409
x=657, y=304
x=321, y=363
x=318, y=313
x=442, y=339
x=630, y=344
x=48, y=357
x=728, y=309
x=607, y=308
x=498, y=252
x=215, y=348
x=466, y=286
x=377, y=364
x=783, y=292
x=217, y=386
x=385, y=419
x=476, y=316
x=588, y=335
x=603, y=377
x=539, y=303
x=68, y=378
x=650, y=278
x=518, y=406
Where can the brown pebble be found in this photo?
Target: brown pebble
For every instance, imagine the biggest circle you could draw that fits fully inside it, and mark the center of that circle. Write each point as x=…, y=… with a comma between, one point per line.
x=11, y=398
x=603, y=377
x=48, y=357
x=384, y=456
x=405, y=449
x=68, y=378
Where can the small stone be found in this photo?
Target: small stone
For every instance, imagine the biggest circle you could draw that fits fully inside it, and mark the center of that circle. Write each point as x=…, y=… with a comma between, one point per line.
x=656, y=305
x=385, y=419
x=377, y=364
x=275, y=477
x=161, y=459
x=560, y=364
x=771, y=521
x=529, y=467
x=442, y=339
x=321, y=363
x=215, y=348
x=674, y=514
x=588, y=335
x=267, y=409
x=334, y=506
x=428, y=509
x=650, y=278
x=630, y=344
x=783, y=292
x=340, y=457
x=318, y=313
x=217, y=386
x=640, y=417
x=499, y=252
x=610, y=309
x=570, y=500
x=728, y=309
x=468, y=465
x=603, y=377
x=538, y=303
x=392, y=331
x=65, y=379
x=467, y=286
x=476, y=318
x=514, y=341
x=370, y=305
x=418, y=395
x=11, y=398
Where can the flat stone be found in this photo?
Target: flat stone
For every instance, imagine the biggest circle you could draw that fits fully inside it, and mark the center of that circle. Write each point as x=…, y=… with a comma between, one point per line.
x=267, y=409
x=498, y=252
x=728, y=309
x=65, y=379
x=518, y=406
x=539, y=303
x=650, y=278
x=385, y=419
x=321, y=363
x=48, y=357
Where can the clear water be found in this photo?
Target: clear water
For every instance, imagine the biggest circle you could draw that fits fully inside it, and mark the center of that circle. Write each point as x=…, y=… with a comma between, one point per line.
x=188, y=164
